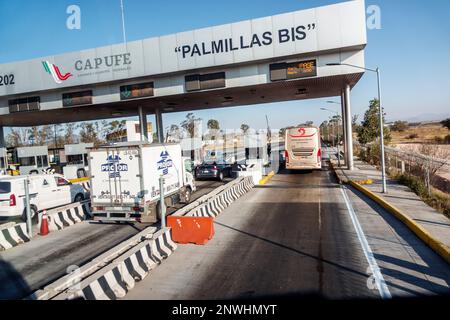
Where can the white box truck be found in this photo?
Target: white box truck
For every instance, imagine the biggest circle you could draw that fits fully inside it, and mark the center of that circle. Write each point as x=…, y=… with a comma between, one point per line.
x=125, y=180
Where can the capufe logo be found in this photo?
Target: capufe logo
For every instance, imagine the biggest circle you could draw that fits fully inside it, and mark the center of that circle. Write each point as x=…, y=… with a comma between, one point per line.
x=54, y=71
x=165, y=163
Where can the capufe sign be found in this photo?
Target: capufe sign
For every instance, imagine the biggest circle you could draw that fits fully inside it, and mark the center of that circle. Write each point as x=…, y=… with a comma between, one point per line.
x=276, y=38
x=255, y=40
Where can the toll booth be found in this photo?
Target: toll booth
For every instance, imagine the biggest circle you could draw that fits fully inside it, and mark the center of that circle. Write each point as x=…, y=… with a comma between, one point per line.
x=77, y=160
x=32, y=159
x=130, y=132
x=192, y=148
x=256, y=148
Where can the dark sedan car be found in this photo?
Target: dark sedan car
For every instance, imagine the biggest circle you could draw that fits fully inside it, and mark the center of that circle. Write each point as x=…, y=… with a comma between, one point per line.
x=213, y=171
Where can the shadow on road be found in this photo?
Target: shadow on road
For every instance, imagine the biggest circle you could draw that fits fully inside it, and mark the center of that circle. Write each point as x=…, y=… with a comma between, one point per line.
x=12, y=284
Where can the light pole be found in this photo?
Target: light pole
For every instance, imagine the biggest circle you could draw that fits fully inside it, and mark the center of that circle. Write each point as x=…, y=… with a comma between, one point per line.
x=380, y=111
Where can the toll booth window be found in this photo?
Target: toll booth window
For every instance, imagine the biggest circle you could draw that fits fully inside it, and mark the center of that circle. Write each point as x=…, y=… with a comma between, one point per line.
x=28, y=161
x=86, y=159
x=39, y=161
x=2, y=162
x=44, y=161
x=196, y=82
x=75, y=159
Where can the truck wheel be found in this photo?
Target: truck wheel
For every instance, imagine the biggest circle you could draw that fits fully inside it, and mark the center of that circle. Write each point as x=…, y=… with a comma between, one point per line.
x=34, y=215
x=78, y=198
x=220, y=176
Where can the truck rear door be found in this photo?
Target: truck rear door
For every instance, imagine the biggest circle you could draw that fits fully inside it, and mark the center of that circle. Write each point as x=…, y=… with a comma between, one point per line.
x=115, y=178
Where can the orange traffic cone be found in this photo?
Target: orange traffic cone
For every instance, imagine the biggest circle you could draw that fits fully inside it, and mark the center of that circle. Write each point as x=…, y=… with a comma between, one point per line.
x=44, y=224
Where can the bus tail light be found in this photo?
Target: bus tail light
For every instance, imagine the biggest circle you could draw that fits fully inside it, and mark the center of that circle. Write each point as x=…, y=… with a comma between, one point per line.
x=286, y=155
x=319, y=156
x=12, y=200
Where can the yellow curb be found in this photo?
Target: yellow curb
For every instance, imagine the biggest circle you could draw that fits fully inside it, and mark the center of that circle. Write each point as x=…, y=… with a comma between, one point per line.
x=436, y=245
x=266, y=178
x=79, y=180
x=439, y=247
x=362, y=182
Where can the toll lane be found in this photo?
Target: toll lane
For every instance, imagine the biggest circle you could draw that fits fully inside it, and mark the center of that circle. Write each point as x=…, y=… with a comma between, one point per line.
x=292, y=236
x=28, y=267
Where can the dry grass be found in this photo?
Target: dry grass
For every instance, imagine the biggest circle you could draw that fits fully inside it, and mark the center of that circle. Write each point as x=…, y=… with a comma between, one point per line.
x=425, y=133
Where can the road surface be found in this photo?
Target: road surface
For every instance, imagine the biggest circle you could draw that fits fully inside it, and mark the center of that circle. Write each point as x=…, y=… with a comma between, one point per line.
x=29, y=267
x=296, y=236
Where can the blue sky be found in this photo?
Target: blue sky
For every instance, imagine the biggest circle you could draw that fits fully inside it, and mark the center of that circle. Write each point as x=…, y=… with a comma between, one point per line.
x=412, y=48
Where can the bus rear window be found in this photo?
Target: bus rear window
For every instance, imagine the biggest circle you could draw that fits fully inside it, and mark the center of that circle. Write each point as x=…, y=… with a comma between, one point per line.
x=5, y=187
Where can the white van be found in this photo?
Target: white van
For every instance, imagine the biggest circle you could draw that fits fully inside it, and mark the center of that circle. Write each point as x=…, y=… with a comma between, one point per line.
x=303, y=148
x=46, y=191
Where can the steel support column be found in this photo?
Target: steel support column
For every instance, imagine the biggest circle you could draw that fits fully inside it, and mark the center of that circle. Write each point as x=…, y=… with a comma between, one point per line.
x=2, y=138
x=348, y=127
x=344, y=123
x=143, y=124
x=159, y=126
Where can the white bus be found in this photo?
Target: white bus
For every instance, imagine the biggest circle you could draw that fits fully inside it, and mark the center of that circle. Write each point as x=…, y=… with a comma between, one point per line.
x=303, y=148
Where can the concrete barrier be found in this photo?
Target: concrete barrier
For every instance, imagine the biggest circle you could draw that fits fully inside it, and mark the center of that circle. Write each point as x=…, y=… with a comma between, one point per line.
x=13, y=235
x=64, y=283
x=66, y=216
x=117, y=278
x=216, y=204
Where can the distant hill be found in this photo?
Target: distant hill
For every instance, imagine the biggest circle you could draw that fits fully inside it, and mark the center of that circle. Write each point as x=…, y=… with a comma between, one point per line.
x=428, y=117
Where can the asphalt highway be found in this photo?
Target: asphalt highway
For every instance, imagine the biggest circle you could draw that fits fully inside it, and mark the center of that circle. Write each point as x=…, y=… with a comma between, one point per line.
x=28, y=267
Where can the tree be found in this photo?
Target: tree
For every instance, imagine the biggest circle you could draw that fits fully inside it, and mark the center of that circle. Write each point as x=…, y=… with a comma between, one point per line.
x=369, y=130
x=89, y=133
x=244, y=128
x=400, y=126
x=174, y=132
x=69, y=133
x=17, y=137
x=446, y=123
x=213, y=124
x=189, y=124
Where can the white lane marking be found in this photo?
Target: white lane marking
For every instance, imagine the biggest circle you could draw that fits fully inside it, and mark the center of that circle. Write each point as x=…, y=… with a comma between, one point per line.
x=379, y=280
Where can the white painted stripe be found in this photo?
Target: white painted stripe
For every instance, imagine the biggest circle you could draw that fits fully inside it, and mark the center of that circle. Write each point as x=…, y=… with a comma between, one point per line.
x=13, y=233
x=118, y=291
x=379, y=280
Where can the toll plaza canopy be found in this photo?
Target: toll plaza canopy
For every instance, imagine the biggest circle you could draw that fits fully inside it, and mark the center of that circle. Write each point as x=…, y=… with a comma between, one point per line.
x=275, y=58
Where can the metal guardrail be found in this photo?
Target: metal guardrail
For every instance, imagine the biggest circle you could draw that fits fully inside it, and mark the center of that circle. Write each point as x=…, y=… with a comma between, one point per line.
x=422, y=158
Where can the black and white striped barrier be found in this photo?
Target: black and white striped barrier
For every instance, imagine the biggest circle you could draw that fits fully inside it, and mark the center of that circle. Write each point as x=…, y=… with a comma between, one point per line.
x=115, y=280
x=214, y=206
x=67, y=216
x=13, y=235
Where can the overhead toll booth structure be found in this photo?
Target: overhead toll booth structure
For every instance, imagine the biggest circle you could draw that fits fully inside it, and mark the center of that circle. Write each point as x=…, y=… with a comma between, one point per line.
x=277, y=58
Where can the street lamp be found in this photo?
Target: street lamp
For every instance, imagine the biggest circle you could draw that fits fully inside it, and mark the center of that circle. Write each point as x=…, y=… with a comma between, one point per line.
x=334, y=137
x=377, y=71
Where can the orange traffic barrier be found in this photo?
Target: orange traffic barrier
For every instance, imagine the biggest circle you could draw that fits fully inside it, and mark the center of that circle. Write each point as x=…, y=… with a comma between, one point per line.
x=198, y=230
x=44, y=224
